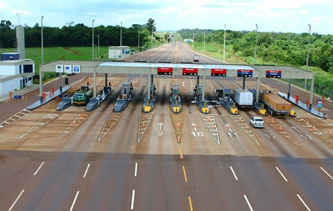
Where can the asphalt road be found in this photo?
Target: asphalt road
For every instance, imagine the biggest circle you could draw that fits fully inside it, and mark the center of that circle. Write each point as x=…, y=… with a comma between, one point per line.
x=52, y=160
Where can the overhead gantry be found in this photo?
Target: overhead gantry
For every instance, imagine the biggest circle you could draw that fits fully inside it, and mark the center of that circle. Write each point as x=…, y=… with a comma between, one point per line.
x=198, y=70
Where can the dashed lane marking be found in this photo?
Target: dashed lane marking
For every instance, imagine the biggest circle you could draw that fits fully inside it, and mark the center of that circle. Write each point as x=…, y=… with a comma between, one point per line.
x=305, y=205
x=326, y=173
x=40, y=166
x=248, y=203
x=281, y=174
x=74, y=201
x=18, y=197
x=233, y=172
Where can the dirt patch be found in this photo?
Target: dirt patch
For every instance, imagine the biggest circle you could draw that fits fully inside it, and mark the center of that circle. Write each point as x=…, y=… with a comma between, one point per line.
x=70, y=50
x=2, y=157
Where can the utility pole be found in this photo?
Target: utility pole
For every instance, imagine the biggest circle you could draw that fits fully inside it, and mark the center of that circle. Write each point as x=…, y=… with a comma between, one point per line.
x=255, y=47
x=41, y=67
x=92, y=41
x=307, y=57
x=225, y=32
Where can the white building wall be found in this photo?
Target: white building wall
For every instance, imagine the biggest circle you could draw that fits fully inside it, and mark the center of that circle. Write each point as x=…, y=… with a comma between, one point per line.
x=114, y=53
x=10, y=86
x=9, y=70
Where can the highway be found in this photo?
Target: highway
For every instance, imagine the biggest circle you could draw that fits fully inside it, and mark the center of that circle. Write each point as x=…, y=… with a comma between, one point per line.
x=101, y=160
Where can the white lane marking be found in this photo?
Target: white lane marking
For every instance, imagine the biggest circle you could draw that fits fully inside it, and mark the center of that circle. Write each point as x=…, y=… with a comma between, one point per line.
x=281, y=174
x=74, y=201
x=40, y=166
x=11, y=207
x=233, y=173
x=306, y=206
x=136, y=169
x=87, y=169
x=235, y=134
x=326, y=173
x=133, y=197
x=248, y=203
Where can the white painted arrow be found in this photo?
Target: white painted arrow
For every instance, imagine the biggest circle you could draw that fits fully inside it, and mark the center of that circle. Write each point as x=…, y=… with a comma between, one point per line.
x=194, y=126
x=160, y=124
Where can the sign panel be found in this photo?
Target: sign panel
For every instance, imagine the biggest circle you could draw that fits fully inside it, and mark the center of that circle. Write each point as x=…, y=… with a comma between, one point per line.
x=190, y=71
x=273, y=73
x=219, y=72
x=59, y=68
x=164, y=71
x=68, y=69
x=319, y=104
x=244, y=73
x=76, y=69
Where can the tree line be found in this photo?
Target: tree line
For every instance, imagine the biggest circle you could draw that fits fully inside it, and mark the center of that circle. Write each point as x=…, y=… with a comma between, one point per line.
x=78, y=35
x=272, y=48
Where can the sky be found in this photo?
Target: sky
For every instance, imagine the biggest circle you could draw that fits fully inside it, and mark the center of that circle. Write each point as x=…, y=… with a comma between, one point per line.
x=171, y=15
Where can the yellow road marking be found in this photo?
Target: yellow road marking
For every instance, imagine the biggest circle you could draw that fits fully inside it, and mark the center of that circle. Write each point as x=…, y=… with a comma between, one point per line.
x=184, y=174
x=190, y=203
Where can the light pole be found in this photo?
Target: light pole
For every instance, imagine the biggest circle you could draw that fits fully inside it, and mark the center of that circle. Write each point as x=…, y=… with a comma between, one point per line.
x=307, y=56
x=225, y=31
x=152, y=36
x=255, y=47
x=139, y=40
x=121, y=39
x=193, y=40
x=92, y=42
x=204, y=40
x=98, y=44
x=41, y=67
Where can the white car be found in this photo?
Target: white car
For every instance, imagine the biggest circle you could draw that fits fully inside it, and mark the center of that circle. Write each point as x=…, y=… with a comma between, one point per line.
x=257, y=122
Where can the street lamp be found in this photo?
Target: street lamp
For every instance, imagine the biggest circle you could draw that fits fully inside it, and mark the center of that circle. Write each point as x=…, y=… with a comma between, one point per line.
x=121, y=34
x=41, y=67
x=204, y=40
x=307, y=56
x=255, y=47
x=193, y=40
x=225, y=31
x=138, y=40
x=152, y=36
x=92, y=41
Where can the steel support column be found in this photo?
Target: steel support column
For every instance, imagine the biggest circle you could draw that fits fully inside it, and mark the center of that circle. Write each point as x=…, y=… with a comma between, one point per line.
x=95, y=82
x=258, y=89
x=289, y=88
x=311, y=91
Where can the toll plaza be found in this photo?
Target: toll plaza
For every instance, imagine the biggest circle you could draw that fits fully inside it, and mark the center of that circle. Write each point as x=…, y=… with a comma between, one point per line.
x=199, y=70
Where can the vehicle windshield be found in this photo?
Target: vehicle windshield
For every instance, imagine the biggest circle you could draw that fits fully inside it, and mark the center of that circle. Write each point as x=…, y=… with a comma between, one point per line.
x=78, y=95
x=258, y=120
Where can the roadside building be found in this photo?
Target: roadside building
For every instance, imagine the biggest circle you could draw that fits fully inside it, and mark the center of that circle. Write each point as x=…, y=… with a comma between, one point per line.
x=116, y=52
x=15, y=75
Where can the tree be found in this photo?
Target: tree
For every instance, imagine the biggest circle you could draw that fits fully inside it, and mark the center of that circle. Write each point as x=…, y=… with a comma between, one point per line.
x=151, y=25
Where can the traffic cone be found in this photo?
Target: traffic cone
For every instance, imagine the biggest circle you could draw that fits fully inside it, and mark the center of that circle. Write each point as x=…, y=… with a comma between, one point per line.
x=81, y=115
x=331, y=132
x=307, y=123
x=181, y=157
x=74, y=123
x=272, y=120
x=314, y=129
x=280, y=127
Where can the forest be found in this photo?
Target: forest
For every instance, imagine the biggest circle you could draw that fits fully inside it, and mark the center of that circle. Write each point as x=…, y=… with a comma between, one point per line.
x=276, y=49
x=78, y=35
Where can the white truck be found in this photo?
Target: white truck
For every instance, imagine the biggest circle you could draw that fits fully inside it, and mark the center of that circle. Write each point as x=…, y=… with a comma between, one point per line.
x=243, y=98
